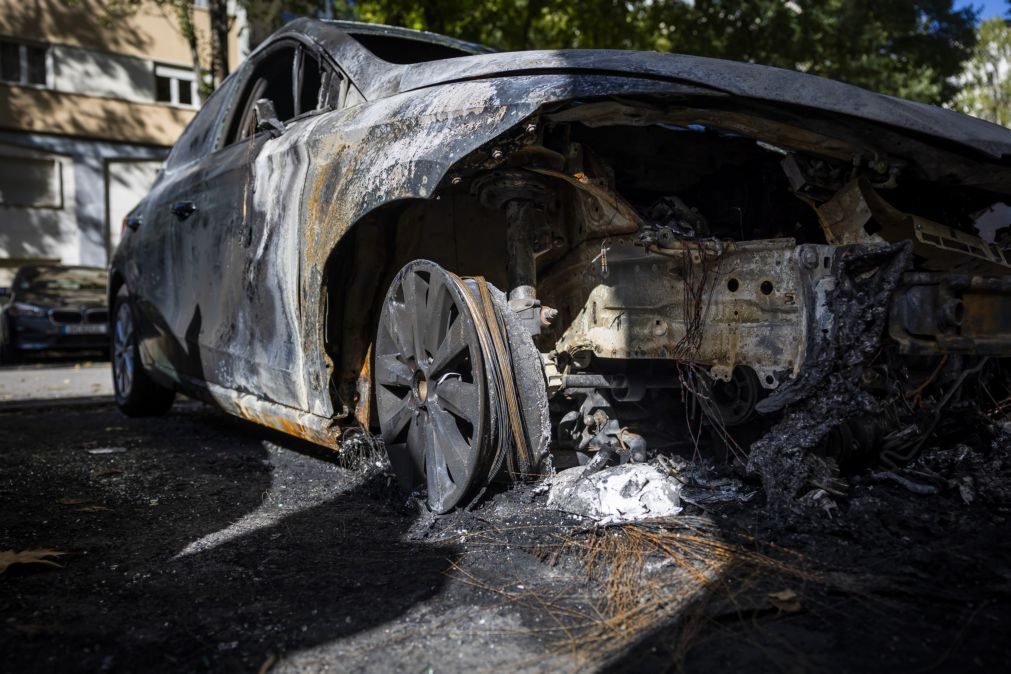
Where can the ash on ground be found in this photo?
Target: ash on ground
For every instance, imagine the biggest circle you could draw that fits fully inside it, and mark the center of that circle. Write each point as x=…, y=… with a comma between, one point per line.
x=213, y=545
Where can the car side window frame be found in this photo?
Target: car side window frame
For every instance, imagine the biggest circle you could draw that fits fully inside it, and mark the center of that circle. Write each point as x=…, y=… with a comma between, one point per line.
x=335, y=88
x=209, y=115
x=244, y=99
x=241, y=114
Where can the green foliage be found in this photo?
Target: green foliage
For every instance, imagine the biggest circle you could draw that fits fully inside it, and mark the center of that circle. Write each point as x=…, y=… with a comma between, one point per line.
x=986, y=89
x=909, y=48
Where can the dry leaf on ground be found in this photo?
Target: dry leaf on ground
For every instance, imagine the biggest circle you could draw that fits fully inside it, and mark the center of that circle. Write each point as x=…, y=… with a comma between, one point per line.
x=8, y=557
x=36, y=629
x=785, y=600
x=268, y=663
x=106, y=450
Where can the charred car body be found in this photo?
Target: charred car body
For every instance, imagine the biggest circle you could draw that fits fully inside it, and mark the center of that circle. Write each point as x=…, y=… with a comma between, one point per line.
x=690, y=253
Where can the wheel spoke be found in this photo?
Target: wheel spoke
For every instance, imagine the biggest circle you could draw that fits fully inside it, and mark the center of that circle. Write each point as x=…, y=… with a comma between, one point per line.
x=452, y=345
x=437, y=475
x=395, y=411
x=460, y=398
x=399, y=328
x=415, y=290
x=127, y=325
x=417, y=441
x=449, y=444
x=391, y=371
x=436, y=314
x=128, y=372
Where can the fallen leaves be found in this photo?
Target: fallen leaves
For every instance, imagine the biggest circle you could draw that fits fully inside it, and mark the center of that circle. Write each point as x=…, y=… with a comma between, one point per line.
x=37, y=556
x=268, y=663
x=87, y=505
x=36, y=629
x=786, y=601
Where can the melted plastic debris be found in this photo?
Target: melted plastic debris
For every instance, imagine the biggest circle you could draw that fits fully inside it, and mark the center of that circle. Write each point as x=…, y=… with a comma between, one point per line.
x=625, y=493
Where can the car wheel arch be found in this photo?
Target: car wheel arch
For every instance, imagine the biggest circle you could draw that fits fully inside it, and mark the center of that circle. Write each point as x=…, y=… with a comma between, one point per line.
x=358, y=271
x=116, y=281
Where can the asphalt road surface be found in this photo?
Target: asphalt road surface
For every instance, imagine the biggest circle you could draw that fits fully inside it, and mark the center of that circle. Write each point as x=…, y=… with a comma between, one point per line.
x=197, y=542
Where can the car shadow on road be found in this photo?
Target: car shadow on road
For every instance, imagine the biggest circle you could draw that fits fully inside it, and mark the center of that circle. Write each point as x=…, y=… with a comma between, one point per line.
x=314, y=577
x=218, y=551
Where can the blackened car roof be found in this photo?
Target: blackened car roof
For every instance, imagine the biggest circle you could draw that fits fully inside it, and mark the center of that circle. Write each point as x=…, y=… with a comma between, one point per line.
x=377, y=78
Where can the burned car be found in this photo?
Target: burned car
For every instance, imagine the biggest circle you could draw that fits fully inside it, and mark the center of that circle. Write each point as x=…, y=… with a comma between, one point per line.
x=55, y=308
x=507, y=262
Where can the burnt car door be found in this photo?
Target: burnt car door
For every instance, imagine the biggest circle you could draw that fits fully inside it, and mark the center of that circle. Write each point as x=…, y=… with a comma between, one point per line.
x=158, y=261
x=243, y=318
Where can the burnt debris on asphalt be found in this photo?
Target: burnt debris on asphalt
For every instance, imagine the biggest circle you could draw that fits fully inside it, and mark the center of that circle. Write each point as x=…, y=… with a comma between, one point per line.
x=214, y=545
x=566, y=359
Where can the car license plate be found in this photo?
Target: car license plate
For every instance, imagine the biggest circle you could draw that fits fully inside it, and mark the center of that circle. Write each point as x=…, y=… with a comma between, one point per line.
x=85, y=329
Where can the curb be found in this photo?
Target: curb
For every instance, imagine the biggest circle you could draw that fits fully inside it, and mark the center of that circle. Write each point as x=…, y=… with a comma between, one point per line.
x=47, y=403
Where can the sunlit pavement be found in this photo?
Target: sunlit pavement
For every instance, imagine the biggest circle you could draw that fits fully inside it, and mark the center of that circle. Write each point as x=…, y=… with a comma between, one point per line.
x=51, y=380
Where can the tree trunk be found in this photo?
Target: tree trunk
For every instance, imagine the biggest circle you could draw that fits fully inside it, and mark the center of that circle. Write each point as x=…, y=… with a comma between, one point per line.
x=184, y=12
x=219, y=40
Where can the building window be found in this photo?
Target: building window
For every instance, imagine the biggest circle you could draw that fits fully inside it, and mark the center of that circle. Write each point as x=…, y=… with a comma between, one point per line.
x=174, y=85
x=24, y=63
x=30, y=183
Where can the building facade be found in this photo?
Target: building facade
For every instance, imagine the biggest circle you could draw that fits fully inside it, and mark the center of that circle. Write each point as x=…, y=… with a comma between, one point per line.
x=89, y=108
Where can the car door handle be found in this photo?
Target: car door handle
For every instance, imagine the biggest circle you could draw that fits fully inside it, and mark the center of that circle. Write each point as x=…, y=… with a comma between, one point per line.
x=183, y=209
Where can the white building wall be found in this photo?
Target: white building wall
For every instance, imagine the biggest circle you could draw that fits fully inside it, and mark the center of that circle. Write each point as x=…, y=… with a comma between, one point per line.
x=86, y=71
x=99, y=181
x=48, y=232
x=80, y=231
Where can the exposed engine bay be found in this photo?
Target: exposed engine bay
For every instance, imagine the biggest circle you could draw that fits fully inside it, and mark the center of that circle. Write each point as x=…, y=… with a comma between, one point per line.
x=739, y=287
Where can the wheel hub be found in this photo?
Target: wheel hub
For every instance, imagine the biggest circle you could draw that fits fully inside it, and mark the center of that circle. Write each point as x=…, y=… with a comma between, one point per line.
x=735, y=399
x=420, y=386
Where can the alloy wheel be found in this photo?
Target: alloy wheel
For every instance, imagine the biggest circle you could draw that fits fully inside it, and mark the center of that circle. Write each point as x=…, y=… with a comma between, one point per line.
x=431, y=390
x=123, y=350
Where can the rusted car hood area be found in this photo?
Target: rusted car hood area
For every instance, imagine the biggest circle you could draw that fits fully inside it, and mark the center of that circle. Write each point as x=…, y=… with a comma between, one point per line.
x=716, y=76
